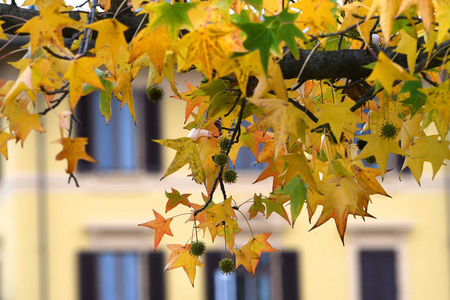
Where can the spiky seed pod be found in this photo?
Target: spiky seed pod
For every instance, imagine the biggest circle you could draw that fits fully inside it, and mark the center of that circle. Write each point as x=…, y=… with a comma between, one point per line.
x=229, y=176
x=197, y=248
x=223, y=143
x=220, y=159
x=361, y=144
x=371, y=160
x=226, y=266
x=155, y=93
x=388, y=131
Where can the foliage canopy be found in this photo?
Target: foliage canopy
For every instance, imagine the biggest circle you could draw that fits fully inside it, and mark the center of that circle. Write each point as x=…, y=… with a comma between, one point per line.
x=328, y=90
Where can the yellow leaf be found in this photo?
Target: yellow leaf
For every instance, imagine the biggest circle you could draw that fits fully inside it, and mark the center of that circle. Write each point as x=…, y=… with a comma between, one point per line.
x=181, y=257
x=245, y=256
x=442, y=9
x=388, y=10
x=81, y=71
x=426, y=11
x=282, y=116
x=47, y=27
x=386, y=72
x=73, y=150
x=4, y=138
x=408, y=46
x=337, y=115
x=434, y=151
x=438, y=98
x=187, y=152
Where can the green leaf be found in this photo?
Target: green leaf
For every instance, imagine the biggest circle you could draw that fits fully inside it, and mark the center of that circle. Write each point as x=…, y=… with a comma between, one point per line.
x=174, y=17
x=297, y=191
x=105, y=99
x=416, y=99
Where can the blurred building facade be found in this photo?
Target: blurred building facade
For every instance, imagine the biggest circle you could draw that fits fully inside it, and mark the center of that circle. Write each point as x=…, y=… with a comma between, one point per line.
x=58, y=241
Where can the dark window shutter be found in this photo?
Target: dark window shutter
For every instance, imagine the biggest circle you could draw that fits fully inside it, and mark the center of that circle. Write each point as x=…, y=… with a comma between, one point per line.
x=378, y=275
x=84, y=115
x=290, y=279
x=87, y=272
x=152, y=131
x=156, y=276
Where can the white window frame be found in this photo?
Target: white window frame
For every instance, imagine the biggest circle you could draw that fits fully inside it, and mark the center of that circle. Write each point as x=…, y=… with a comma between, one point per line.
x=385, y=235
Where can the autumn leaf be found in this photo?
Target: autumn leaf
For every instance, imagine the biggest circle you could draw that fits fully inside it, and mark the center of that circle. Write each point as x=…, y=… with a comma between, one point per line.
x=336, y=115
x=187, y=152
x=434, y=151
x=81, y=71
x=387, y=72
x=245, y=256
x=161, y=227
x=73, y=150
x=259, y=244
x=249, y=139
x=379, y=147
x=223, y=211
x=256, y=207
x=298, y=165
x=47, y=27
x=4, y=138
x=297, y=192
x=388, y=10
x=366, y=178
x=181, y=257
x=275, y=204
x=174, y=17
x=176, y=198
x=438, y=98
x=282, y=116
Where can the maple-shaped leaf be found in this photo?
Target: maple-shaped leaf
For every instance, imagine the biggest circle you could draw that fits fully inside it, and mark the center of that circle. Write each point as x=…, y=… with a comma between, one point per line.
x=298, y=165
x=176, y=198
x=438, y=98
x=257, y=206
x=161, y=227
x=282, y=116
x=297, y=192
x=275, y=204
x=316, y=14
x=192, y=101
x=342, y=196
x=387, y=72
x=47, y=27
x=187, y=152
x=203, y=48
x=366, y=178
x=337, y=115
x=249, y=139
x=228, y=231
x=245, y=256
x=416, y=98
x=123, y=90
x=274, y=169
x=223, y=210
x=81, y=71
x=259, y=244
x=21, y=121
x=414, y=163
x=174, y=17
x=4, y=138
x=73, y=150
x=408, y=46
x=110, y=37
x=434, y=151
x=152, y=42
x=181, y=257
x=409, y=130
x=379, y=147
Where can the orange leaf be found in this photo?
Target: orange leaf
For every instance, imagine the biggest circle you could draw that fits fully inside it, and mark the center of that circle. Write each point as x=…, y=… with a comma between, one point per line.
x=175, y=198
x=161, y=227
x=245, y=256
x=259, y=244
x=73, y=150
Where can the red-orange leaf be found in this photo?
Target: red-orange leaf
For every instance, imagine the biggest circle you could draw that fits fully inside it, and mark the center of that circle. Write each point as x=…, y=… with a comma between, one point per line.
x=161, y=227
x=73, y=150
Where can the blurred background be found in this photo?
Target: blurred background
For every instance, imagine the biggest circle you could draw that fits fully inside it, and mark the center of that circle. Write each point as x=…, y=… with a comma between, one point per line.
x=58, y=241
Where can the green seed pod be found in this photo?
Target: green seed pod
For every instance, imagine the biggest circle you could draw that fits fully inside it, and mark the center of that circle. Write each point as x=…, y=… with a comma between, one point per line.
x=155, y=93
x=223, y=143
x=226, y=266
x=220, y=159
x=229, y=176
x=197, y=248
x=388, y=131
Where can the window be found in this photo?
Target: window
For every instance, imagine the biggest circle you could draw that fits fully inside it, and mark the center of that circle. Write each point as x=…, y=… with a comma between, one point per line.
x=378, y=274
x=378, y=260
x=120, y=145
x=124, y=275
x=276, y=278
